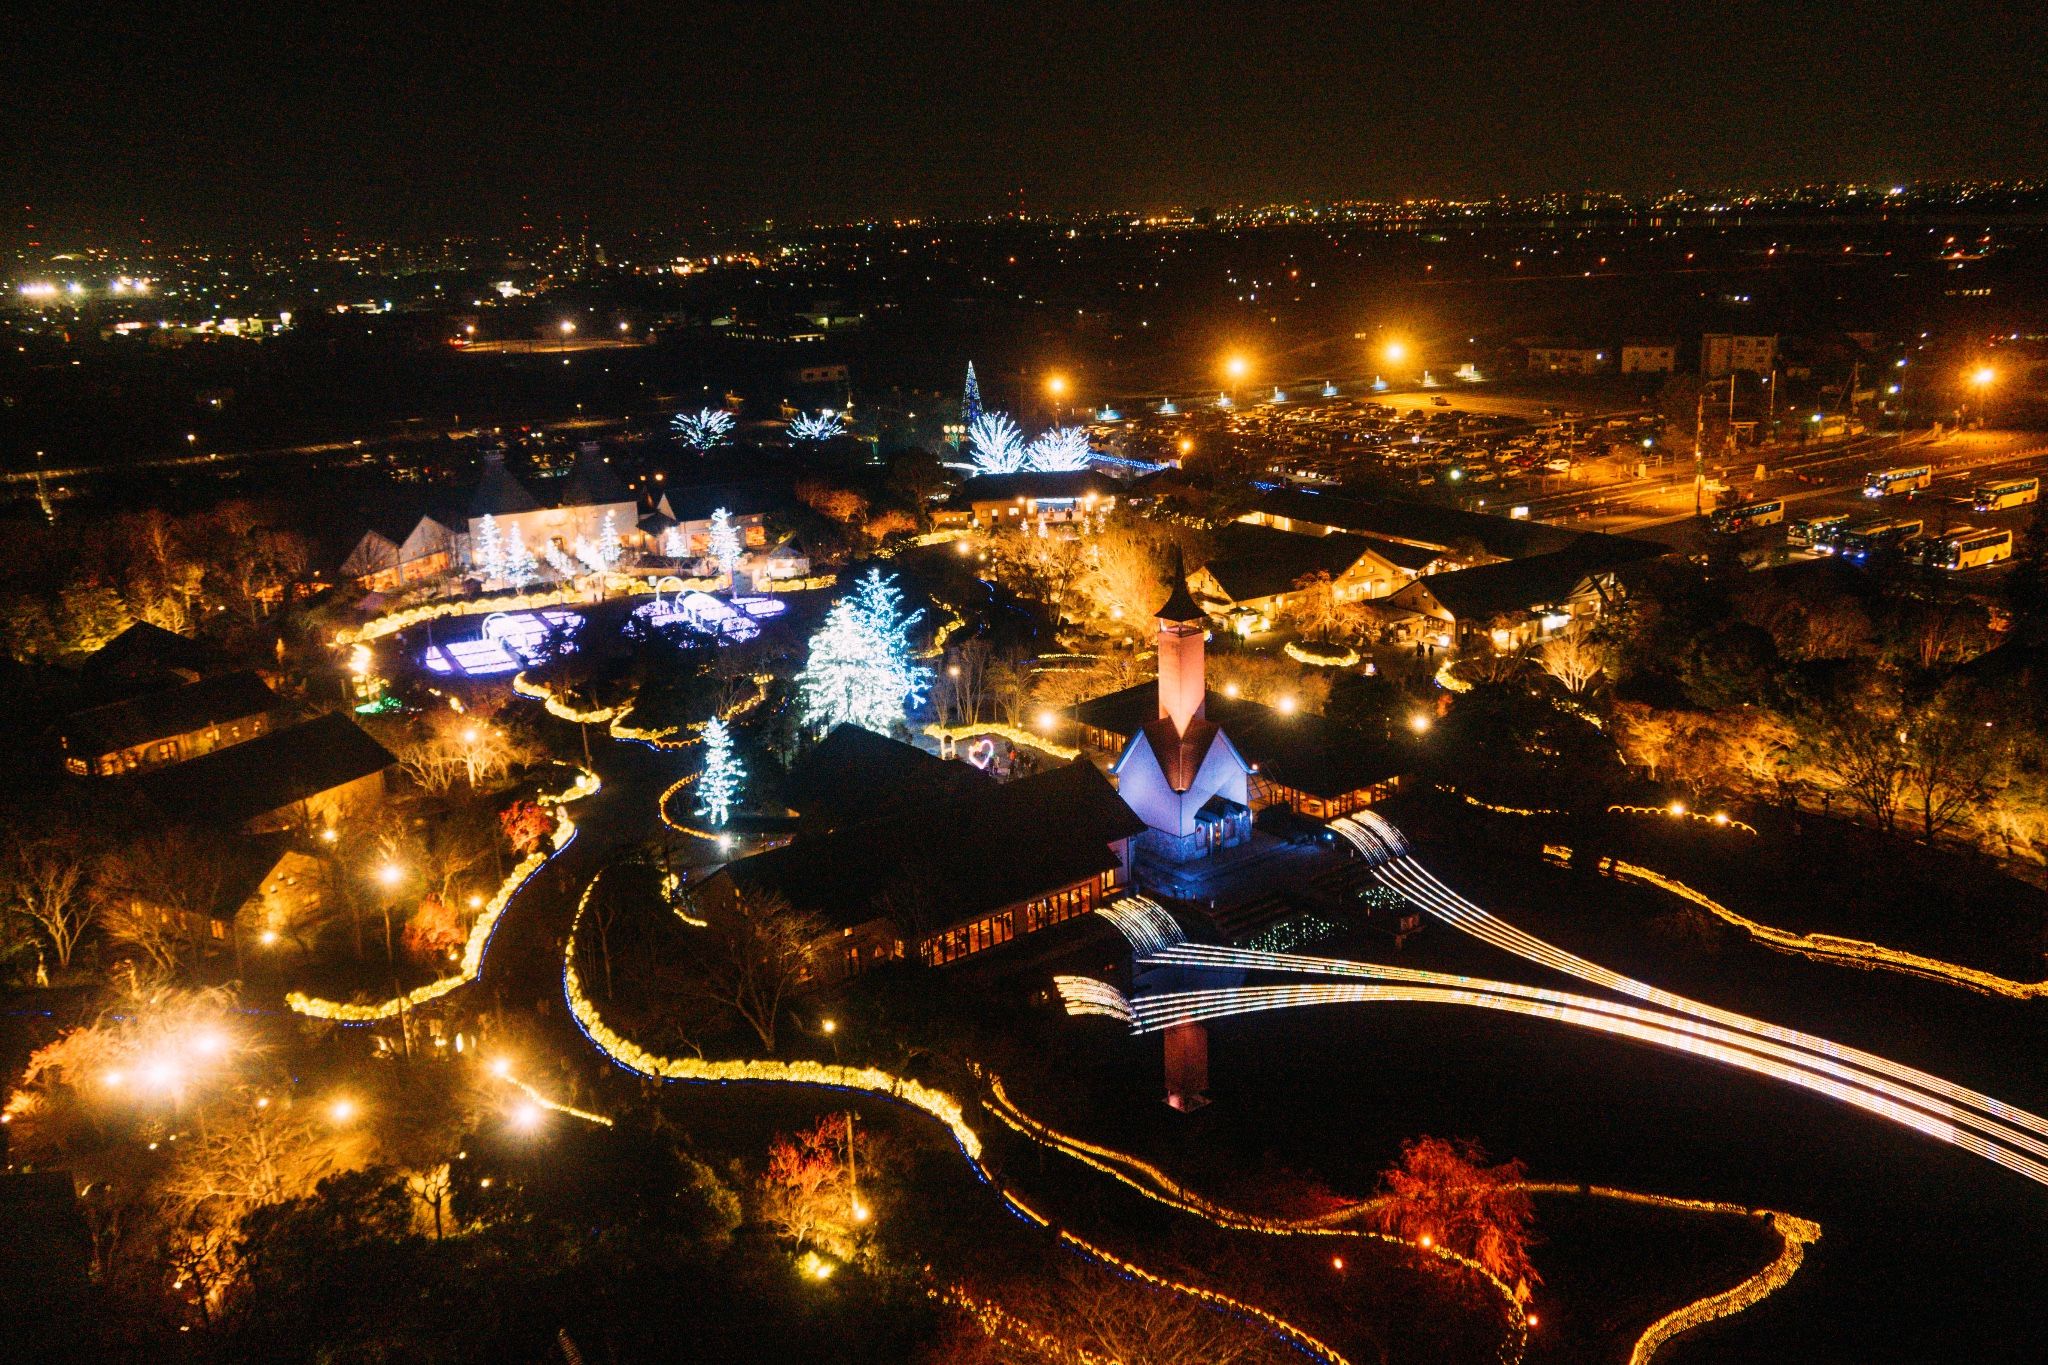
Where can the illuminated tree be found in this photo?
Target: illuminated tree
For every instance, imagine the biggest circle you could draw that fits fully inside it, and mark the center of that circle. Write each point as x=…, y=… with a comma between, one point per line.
x=434, y=931
x=860, y=670
x=719, y=787
x=1061, y=449
x=609, y=547
x=46, y=882
x=490, y=548
x=558, y=561
x=725, y=543
x=823, y=427
x=970, y=398
x=1574, y=658
x=525, y=823
x=673, y=546
x=703, y=429
x=520, y=568
x=998, y=444
x=1446, y=1192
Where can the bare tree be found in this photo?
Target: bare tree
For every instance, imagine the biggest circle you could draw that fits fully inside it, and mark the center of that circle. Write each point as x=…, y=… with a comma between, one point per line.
x=1867, y=755
x=1574, y=658
x=1085, y=1316
x=46, y=882
x=756, y=951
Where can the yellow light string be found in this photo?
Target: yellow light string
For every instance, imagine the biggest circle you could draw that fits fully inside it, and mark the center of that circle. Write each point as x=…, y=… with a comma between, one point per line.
x=1832, y=948
x=558, y=708
x=546, y=1103
x=586, y=784
x=1797, y=1234
x=1723, y=821
x=1301, y=656
x=1015, y=734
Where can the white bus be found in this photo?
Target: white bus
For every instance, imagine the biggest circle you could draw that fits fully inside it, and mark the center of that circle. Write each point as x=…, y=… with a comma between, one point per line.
x=1976, y=550
x=2013, y=493
x=1816, y=531
x=1888, y=481
x=1733, y=519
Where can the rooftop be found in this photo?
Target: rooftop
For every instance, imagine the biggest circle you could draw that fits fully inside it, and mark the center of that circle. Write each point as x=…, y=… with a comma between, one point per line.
x=1045, y=485
x=1254, y=561
x=1307, y=752
x=941, y=863
x=234, y=785
x=160, y=715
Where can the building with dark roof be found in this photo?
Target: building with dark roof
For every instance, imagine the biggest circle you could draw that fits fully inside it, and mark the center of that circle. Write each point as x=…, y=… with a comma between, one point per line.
x=1259, y=573
x=1510, y=604
x=940, y=880
x=314, y=773
x=592, y=501
x=394, y=553
x=1055, y=500
x=1302, y=761
x=161, y=728
x=1471, y=536
x=855, y=775
x=151, y=655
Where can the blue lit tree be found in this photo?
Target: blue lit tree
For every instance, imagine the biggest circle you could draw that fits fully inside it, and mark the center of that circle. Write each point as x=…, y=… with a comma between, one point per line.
x=998, y=444
x=970, y=400
x=1062, y=448
x=719, y=788
x=861, y=671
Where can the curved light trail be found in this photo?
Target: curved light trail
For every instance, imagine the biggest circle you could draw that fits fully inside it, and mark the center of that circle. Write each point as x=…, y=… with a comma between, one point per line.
x=1386, y=850
x=1773, y=1056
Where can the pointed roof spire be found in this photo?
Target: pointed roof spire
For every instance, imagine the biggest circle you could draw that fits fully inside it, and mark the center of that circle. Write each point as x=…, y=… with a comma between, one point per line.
x=497, y=492
x=1180, y=608
x=970, y=398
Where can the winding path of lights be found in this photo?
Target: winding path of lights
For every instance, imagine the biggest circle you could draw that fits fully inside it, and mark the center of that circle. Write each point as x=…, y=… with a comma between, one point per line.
x=1386, y=849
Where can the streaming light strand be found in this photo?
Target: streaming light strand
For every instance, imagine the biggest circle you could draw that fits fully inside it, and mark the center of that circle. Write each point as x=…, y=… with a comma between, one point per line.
x=1770, y=1054
x=1145, y=923
x=1386, y=851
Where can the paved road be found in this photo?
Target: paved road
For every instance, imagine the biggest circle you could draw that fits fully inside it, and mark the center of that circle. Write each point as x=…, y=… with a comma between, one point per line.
x=523, y=968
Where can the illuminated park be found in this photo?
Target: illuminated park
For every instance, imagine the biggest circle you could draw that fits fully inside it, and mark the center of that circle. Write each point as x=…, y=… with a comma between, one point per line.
x=940, y=686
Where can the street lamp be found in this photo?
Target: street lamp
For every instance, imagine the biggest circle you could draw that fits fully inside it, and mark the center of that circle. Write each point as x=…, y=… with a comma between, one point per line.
x=1396, y=352
x=390, y=874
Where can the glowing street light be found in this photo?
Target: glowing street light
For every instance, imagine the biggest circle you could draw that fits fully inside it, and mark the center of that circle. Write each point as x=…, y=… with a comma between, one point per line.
x=1286, y=706
x=341, y=1111
x=268, y=938
x=527, y=1116
x=1396, y=351
x=1047, y=720
x=1678, y=808
x=567, y=327
x=1237, y=367
x=1419, y=723
x=1057, y=386
x=390, y=874
x=1983, y=376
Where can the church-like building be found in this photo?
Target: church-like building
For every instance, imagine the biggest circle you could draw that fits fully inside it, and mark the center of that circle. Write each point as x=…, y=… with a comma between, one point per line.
x=1180, y=773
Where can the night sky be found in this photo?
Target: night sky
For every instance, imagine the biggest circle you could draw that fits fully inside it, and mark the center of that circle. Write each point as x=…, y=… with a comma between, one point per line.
x=425, y=117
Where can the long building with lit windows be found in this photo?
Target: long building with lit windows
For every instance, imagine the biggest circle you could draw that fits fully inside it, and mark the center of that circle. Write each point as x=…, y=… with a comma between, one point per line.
x=976, y=866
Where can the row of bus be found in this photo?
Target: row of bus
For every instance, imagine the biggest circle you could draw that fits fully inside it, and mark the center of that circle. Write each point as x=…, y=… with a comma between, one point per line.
x=1863, y=539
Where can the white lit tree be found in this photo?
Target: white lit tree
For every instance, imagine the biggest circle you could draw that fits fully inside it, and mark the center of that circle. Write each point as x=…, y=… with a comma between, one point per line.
x=558, y=561
x=860, y=670
x=719, y=787
x=588, y=553
x=702, y=429
x=822, y=427
x=1062, y=448
x=609, y=547
x=998, y=444
x=520, y=568
x=673, y=546
x=489, y=557
x=725, y=543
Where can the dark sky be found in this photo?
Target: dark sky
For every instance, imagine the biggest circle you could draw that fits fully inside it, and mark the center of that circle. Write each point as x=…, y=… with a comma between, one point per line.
x=429, y=116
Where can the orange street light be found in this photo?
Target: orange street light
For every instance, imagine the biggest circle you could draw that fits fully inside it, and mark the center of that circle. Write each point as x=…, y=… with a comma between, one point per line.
x=1237, y=367
x=1397, y=351
x=1983, y=376
x=1057, y=386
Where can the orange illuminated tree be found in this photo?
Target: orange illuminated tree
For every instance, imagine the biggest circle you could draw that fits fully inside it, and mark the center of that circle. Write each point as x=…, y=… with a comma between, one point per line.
x=1445, y=1191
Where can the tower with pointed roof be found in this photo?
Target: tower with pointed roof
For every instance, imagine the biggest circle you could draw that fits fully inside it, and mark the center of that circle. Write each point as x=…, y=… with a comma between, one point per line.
x=1181, y=773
